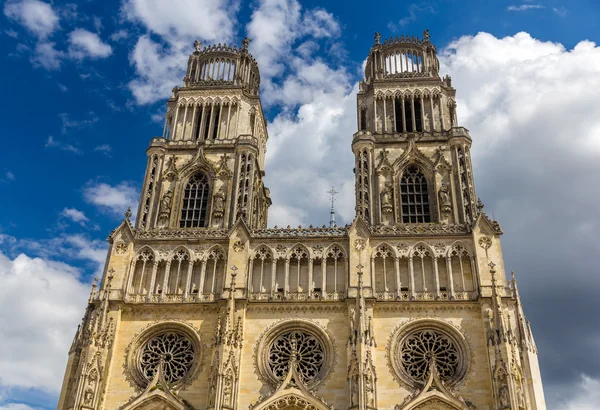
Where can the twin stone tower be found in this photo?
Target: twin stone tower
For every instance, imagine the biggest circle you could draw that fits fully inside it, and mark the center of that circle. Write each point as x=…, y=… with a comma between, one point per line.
x=201, y=306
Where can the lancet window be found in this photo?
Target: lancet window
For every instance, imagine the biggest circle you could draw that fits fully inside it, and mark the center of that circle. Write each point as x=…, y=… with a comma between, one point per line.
x=408, y=114
x=194, y=209
x=298, y=270
x=385, y=271
x=262, y=275
x=244, y=184
x=363, y=186
x=147, y=200
x=143, y=267
x=465, y=179
x=414, y=196
x=462, y=269
x=335, y=270
x=214, y=273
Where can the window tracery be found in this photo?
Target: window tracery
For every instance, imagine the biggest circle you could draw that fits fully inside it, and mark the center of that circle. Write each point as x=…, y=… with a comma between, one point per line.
x=421, y=348
x=194, y=209
x=414, y=196
x=415, y=346
x=363, y=185
x=175, y=350
x=307, y=349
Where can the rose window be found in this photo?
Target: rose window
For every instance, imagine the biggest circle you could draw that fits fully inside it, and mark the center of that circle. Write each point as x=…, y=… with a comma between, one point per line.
x=308, y=351
x=420, y=348
x=176, y=352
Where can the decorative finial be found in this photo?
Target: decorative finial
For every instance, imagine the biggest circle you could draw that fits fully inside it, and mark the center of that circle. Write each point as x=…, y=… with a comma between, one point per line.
x=233, y=274
x=377, y=38
x=246, y=43
x=492, y=265
x=332, y=192
x=93, y=292
x=479, y=205
x=111, y=275
x=426, y=35
x=197, y=45
x=128, y=213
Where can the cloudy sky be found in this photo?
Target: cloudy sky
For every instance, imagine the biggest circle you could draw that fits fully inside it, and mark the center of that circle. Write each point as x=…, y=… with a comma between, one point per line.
x=85, y=86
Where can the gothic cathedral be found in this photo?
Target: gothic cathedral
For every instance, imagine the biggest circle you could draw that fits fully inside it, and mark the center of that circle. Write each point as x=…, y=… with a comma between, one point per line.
x=201, y=306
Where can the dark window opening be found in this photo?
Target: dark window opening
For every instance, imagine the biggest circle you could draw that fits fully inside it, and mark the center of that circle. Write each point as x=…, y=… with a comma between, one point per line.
x=414, y=196
x=398, y=114
x=195, y=202
x=408, y=115
x=363, y=119
x=418, y=117
x=198, y=123
x=216, y=123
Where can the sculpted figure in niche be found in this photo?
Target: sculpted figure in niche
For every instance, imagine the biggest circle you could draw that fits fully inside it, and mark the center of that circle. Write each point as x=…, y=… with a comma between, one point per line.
x=504, y=399
x=88, y=397
x=386, y=199
x=165, y=208
x=444, y=197
x=219, y=204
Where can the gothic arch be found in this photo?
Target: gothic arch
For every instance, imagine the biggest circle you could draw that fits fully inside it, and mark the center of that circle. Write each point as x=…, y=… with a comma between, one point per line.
x=296, y=247
x=260, y=247
x=384, y=246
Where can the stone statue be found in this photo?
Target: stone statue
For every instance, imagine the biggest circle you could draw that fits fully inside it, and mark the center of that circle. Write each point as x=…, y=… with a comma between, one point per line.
x=165, y=205
x=219, y=204
x=377, y=38
x=426, y=35
x=246, y=43
x=88, y=397
x=197, y=45
x=503, y=397
x=444, y=197
x=386, y=199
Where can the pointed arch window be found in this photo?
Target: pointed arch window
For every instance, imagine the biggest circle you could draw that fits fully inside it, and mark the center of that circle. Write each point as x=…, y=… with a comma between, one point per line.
x=194, y=209
x=414, y=196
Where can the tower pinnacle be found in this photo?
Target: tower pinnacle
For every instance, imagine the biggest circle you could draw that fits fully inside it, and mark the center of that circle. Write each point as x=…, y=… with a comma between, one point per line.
x=332, y=192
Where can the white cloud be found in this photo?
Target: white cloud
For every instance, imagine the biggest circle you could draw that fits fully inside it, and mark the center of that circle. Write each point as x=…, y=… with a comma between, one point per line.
x=316, y=103
x=113, y=198
x=85, y=44
x=583, y=396
x=104, y=148
x=119, y=35
x=16, y=406
x=53, y=143
x=36, y=16
x=160, y=63
x=68, y=123
x=180, y=22
x=75, y=215
x=525, y=7
x=37, y=330
x=46, y=56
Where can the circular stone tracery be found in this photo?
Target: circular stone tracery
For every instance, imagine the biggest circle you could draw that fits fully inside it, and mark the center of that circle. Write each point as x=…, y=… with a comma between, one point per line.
x=306, y=348
x=419, y=349
x=176, y=351
x=414, y=346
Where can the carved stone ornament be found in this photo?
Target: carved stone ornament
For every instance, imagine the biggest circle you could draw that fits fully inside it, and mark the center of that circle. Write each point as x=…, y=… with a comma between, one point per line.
x=219, y=204
x=359, y=244
x=281, y=250
x=121, y=248
x=177, y=344
x=413, y=346
x=485, y=242
x=171, y=172
x=314, y=347
x=317, y=250
x=444, y=197
x=238, y=246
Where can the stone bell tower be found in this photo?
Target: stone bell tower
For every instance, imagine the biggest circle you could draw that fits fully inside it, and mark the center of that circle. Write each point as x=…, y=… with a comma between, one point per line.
x=412, y=158
x=207, y=169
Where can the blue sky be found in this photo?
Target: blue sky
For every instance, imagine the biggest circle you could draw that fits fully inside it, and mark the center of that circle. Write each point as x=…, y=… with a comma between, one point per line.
x=85, y=89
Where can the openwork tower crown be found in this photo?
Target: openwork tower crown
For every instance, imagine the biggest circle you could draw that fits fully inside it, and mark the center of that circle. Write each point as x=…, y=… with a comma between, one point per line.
x=223, y=65
x=401, y=57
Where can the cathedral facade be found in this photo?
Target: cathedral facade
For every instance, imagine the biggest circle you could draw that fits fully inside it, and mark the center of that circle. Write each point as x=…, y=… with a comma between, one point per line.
x=201, y=306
